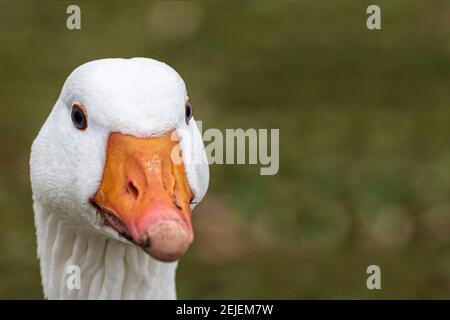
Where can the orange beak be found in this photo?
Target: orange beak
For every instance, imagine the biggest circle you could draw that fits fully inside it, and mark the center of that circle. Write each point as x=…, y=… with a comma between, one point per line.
x=145, y=196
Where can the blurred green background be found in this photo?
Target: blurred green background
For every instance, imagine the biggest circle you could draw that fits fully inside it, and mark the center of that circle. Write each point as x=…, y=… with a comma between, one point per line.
x=364, y=119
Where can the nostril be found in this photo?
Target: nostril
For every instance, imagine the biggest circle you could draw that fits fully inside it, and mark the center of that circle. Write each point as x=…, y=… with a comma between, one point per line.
x=131, y=188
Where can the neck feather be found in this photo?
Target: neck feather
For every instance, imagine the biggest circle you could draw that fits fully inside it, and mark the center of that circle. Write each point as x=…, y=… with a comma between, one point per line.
x=109, y=269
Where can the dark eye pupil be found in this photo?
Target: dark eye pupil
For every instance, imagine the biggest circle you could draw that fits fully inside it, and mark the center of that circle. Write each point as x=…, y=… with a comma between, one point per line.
x=78, y=118
x=188, y=112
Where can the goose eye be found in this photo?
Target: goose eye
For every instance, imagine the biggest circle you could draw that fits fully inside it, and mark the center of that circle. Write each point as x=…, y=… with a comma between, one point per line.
x=79, y=117
x=188, y=111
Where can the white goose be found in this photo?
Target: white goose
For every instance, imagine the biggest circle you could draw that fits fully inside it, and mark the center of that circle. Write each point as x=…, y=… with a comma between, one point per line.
x=110, y=196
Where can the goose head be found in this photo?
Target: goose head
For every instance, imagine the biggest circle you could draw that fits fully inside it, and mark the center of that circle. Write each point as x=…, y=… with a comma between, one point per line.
x=120, y=154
